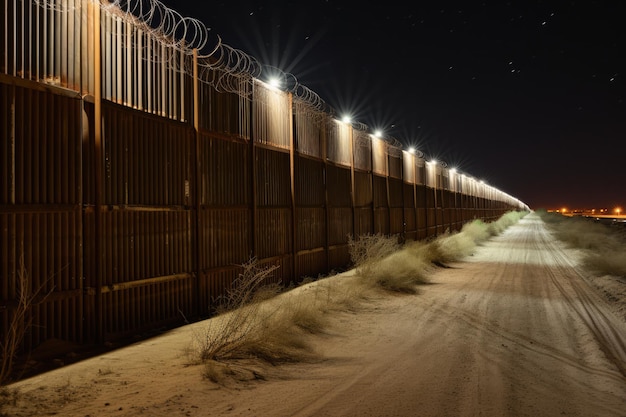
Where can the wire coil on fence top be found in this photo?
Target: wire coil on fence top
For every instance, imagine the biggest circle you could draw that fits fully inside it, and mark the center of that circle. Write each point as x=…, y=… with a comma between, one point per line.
x=142, y=23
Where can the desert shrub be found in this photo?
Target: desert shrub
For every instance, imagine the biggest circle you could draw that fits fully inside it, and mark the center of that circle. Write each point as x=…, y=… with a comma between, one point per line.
x=610, y=261
x=257, y=323
x=506, y=220
x=237, y=313
x=603, y=247
x=400, y=271
x=368, y=250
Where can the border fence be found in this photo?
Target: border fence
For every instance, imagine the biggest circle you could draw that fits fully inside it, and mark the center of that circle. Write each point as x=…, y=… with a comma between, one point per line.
x=137, y=175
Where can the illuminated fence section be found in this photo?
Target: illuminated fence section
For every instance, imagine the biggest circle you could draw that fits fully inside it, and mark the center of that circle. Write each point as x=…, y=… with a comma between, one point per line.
x=42, y=39
x=134, y=206
x=363, y=187
x=143, y=70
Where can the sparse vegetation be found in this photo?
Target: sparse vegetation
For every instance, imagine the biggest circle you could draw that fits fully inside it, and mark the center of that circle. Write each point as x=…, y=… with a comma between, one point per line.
x=257, y=324
x=381, y=262
x=603, y=246
x=18, y=324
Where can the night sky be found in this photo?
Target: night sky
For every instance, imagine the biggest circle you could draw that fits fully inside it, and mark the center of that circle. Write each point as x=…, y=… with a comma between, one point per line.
x=528, y=96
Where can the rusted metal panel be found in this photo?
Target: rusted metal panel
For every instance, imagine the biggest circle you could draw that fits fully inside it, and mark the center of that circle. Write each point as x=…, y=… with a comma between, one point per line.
x=272, y=178
x=43, y=245
x=224, y=237
x=396, y=220
x=41, y=161
x=363, y=189
x=396, y=192
x=224, y=173
x=339, y=257
x=225, y=112
x=380, y=192
x=408, y=195
x=410, y=223
x=142, y=243
x=7, y=144
x=310, y=228
x=339, y=225
x=131, y=310
x=309, y=182
x=312, y=264
x=273, y=232
x=364, y=221
x=148, y=160
x=338, y=186
x=381, y=221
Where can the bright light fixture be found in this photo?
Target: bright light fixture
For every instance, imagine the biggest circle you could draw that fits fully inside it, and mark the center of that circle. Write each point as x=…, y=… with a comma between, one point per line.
x=274, y=82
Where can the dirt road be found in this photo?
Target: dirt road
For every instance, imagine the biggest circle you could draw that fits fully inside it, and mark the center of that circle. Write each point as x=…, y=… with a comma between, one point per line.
x=514, y=330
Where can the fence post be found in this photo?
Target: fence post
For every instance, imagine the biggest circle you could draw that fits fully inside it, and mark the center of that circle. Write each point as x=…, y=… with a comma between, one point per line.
x=292, y=183
x=198, y=162
x=98, y=167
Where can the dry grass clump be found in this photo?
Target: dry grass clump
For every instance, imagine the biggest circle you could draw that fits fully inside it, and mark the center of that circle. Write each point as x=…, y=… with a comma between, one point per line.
x=254, y=326
x=505, y=221
x=368, y=250
x=400, y=271
x=238, y=315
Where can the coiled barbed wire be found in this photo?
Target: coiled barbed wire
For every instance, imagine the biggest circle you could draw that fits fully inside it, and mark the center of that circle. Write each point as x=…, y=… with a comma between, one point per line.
x=223, y=67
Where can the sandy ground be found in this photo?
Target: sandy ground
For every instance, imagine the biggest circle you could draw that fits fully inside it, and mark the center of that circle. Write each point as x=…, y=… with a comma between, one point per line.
x=513, y=330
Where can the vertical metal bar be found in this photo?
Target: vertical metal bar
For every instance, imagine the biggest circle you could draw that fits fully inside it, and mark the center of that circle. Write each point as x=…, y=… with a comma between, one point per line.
x=196, y=234
x=45, y=44
x=13, y=65
x=118, y=62
x=38, y=47
x=164, y=92
x=128, y=100
x=76, y=42
x=183, y=102
x=12, y=142
x=388, y=197
x=6, y=35
x=292, y=186
x=98, y=164
x=149, y=72
x=23, y=40
x=56, y=46
x=64, y=43
x=139, y=72
x=352, y=186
